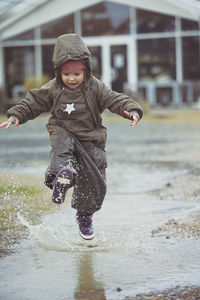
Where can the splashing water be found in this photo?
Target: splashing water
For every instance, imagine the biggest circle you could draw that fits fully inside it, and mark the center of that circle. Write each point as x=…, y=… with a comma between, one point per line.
x=59, y=232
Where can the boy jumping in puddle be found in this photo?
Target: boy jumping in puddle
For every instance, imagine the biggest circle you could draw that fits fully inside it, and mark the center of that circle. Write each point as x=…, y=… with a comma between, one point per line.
x=76, y=100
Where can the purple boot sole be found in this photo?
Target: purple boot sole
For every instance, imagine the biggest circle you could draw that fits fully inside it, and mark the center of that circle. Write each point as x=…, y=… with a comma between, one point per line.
x=63, y=181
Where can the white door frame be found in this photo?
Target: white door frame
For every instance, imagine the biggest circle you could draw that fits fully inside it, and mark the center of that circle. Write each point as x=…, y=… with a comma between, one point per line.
x=105, y=42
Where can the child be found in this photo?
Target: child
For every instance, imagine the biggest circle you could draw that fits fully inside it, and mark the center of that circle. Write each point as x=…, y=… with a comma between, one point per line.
x=76, y=100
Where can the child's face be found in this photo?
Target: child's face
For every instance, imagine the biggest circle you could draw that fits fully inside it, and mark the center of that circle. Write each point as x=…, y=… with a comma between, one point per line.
x=73, y=79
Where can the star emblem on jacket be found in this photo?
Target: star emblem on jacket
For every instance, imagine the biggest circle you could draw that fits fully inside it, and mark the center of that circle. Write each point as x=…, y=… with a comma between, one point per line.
x=70, y=108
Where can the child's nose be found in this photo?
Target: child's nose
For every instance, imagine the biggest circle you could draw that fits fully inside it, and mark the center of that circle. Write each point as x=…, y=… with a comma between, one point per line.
x=71, y=78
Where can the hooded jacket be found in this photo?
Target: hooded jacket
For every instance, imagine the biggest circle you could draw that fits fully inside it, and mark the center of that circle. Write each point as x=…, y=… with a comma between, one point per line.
x=89, y=100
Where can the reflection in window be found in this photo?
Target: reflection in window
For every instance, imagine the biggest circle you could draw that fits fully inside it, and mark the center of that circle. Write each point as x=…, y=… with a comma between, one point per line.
x=189, y=25
x=47, y=65
x=156, y=59
x=27, y=35
x=19, y=62
x=96, y=61
x=55, y=28
x=191, y=59
x=148, y=21
x=105, y=18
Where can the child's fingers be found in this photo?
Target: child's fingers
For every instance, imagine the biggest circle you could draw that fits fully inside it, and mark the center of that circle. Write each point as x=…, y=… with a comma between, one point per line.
x=133, y=123
x=8, y=125
x=135, y=119
x=127, y=113
x=4, y=124
x=17, y=123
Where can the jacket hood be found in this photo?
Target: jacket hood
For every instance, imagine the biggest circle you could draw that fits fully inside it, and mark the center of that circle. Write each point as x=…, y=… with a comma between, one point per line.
x=70, y=47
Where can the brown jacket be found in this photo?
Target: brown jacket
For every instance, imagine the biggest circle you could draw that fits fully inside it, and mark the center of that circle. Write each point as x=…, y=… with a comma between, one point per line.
x=91, y=99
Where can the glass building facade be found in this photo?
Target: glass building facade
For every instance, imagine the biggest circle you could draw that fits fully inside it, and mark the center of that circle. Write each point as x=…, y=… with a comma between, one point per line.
x=132, y=49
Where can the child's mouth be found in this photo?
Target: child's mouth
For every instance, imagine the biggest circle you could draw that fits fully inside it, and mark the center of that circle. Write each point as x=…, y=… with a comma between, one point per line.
x=72, y=83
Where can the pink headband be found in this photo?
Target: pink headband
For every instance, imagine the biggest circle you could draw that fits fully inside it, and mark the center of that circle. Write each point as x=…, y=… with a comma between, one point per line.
x=71, y=66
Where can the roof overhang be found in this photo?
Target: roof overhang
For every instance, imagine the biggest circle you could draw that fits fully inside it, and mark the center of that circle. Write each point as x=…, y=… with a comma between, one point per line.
x=46, y=11
x=49, y=10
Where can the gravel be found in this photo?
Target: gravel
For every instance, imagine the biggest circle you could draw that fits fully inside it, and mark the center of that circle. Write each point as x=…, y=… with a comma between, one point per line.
x=177, y=293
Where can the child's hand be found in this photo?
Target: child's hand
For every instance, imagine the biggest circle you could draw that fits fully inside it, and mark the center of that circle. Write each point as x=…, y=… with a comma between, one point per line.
x=8, y=123
x=135, y=118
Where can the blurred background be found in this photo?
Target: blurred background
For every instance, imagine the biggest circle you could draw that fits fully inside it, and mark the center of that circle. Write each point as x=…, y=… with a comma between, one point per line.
x=145, y=48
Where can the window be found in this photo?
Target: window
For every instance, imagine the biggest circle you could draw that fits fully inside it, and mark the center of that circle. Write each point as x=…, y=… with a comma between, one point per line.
x=19, y=62
x=191, y=59
x=47, y=65
x=148, y=21
x=57, y=27
x=105, y=18
x=156, y=59
x=189, y=25
x=96, y=61
x=119, y=67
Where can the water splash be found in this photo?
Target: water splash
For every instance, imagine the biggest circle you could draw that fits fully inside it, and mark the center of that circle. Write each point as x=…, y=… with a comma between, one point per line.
x=59, y=232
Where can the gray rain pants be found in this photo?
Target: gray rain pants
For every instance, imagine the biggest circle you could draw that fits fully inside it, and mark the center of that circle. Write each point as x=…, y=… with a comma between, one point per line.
x=87, y=159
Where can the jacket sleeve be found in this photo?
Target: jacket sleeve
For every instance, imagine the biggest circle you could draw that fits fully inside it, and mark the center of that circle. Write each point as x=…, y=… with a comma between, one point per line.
x=36, y=102
x=116, y=102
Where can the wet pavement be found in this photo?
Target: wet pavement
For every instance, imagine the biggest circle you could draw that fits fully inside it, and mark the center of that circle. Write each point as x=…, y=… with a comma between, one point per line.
x=146, y=234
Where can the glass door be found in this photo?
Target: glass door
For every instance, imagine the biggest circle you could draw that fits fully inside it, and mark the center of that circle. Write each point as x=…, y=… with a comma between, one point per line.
x=114, y=61
x=119, y=74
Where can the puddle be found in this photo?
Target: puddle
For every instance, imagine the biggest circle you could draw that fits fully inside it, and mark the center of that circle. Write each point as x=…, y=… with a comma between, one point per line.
x=55, y=263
